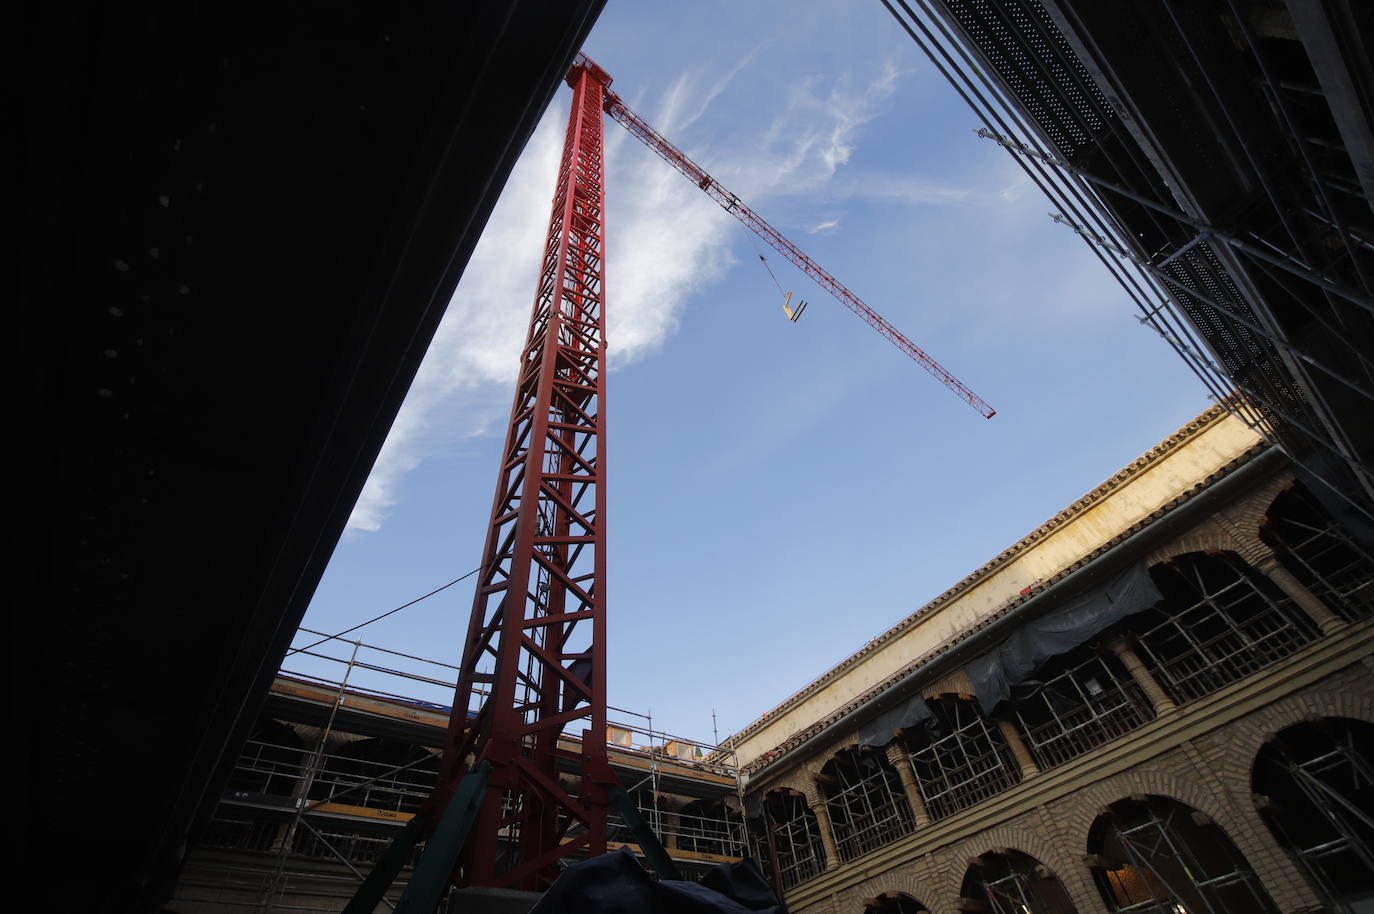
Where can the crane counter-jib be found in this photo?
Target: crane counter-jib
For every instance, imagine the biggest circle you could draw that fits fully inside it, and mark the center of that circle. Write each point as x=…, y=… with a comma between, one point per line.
x=641, y=129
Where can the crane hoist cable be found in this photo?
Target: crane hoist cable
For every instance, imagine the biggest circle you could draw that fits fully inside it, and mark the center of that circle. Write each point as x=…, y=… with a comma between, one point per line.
x=792, y=314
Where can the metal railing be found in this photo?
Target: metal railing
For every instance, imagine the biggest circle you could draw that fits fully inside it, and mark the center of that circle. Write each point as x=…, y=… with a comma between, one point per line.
x=1089, y=704
x=1233, y=629
x=867, y=804
x=1337, y=568
x=795, y=840
x=966, y=766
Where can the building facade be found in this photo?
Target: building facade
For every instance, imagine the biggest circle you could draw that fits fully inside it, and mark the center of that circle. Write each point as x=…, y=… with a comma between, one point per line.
x=1161, y=700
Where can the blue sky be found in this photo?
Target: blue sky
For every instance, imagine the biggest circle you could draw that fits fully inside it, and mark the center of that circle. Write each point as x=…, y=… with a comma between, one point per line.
x=779, y=493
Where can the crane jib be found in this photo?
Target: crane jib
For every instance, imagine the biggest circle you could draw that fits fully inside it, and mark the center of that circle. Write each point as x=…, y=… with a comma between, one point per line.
x=638, y=127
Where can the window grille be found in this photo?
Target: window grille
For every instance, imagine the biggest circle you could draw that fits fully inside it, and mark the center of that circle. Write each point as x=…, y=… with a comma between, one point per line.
x=1321, y=554
x=1166, y=862
x=1069, y=713
x=1228, y=626
x=867, y=804
x=796, y=839
x=964, y=760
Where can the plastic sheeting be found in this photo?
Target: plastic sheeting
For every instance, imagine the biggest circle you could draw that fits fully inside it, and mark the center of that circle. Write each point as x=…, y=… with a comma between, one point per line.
x=880, y=730
x=615, y=883
x=1056, y=632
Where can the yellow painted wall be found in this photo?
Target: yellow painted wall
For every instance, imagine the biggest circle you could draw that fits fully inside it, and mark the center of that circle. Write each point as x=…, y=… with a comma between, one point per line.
x=1163, y=477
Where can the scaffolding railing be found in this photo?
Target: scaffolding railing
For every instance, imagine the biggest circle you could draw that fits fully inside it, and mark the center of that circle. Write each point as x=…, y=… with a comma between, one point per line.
x=1336, y=567
x=792, y=837
x=1232, y=630
x=968, y=765
x=1164, y=872
x=1079, y=709
x=867, y=804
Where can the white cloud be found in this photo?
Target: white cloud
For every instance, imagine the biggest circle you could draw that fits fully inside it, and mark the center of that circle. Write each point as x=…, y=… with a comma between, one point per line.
x=824, y=228
x=664, y=240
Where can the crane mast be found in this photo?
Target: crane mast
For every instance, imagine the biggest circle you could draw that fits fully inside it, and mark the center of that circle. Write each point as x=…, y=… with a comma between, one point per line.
x=535, y=659
x=534, y=662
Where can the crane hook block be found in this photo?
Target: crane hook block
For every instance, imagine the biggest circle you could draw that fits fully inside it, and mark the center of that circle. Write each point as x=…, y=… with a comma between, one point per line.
x=792, y=315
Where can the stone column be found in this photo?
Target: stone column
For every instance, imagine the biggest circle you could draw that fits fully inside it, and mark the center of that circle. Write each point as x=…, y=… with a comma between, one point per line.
x=815, y=798
x=1306, y=600
x=1019, y=750
x=896, y=754
x=670, y=826
x=1163, y=704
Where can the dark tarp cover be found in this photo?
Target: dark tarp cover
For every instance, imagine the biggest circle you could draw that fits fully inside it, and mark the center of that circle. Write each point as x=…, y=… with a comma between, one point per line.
x=615, y=883
x=1036, y=641
x=880, y=730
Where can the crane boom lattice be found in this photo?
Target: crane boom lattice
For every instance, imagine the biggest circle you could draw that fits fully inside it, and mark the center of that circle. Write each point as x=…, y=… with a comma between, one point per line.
x=640, y=128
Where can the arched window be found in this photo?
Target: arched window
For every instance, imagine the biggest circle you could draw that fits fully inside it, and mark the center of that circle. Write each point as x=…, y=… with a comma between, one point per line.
x=1075, y=703
x=1010, y=882
x=1315, y=784
x=960, y=758
x=867, y=804
x=1155, y=854
x=711, y=827
x=1220, y=621
x=895, y=903
x=1331, y=563
x=789, y=835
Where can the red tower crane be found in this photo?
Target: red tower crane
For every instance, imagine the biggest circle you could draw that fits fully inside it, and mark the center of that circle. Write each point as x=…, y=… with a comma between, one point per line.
x=535, y=659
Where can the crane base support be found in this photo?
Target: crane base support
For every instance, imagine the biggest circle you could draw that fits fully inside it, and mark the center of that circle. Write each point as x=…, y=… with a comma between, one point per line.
x=649, y=845
x=387, y=868
x=435, y=865
x=482, y=900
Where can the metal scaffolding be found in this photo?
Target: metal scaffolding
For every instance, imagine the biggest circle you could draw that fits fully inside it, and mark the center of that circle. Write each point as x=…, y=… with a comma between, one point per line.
x=1169, y=859
x=709, y=827
x=1317, y=781
x=1228, y=627
x=1088, y=703
x=962, y=760
x=791, y=839
x=1011, y=882
x=867, y=804
x=1335, y=566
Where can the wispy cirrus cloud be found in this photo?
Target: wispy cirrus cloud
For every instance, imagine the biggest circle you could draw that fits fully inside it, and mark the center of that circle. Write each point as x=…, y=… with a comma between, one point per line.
x=665, y=239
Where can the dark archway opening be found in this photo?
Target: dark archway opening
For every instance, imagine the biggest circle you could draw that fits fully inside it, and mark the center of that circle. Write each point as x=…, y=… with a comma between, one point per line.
x=895, y=903
x=1011, y=882
x=959, y=756
x=1219, y=622
x=1314, y=783
x=1154, y=854
x=867, y=803
x=1320, y=553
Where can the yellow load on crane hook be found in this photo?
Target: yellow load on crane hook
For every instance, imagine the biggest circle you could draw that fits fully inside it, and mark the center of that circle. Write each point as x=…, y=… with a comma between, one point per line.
x=792, y=315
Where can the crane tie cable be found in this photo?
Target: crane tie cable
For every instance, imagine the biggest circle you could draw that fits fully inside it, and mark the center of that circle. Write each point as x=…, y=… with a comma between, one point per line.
x=297, y=650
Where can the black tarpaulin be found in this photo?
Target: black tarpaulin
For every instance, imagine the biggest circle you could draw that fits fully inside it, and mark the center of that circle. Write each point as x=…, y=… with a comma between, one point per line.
x=994, y=673
x=880, y=730
x=615, y=883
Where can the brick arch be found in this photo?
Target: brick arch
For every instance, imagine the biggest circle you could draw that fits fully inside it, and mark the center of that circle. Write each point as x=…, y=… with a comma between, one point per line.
x=1246, y=742
x=1249, y=513
x=916, y=878
x=1207, y=538
x=1239, y=823
x=1081, y=809
x=1064, y=862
